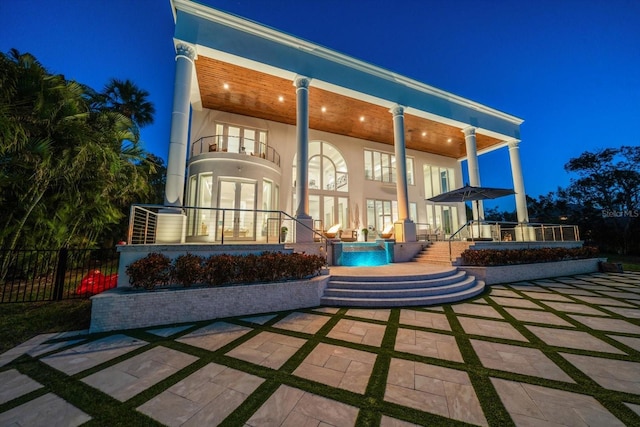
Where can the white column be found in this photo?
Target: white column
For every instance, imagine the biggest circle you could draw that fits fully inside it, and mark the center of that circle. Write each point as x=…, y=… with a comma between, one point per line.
x=302, y=139
x=405, y=229
x=177, y=160
x=304, y=224
x=474, y=171
x=518, y=181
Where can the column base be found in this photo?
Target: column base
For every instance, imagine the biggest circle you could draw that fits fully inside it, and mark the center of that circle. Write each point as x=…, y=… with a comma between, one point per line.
x=405, y=231
x=171, y=227
x=304, y=229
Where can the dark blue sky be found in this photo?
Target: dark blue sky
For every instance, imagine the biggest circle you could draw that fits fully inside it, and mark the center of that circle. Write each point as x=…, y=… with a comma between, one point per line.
x=569, y=68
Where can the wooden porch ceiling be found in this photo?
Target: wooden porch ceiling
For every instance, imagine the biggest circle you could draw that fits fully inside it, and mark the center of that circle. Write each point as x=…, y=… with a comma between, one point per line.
x=234, y=89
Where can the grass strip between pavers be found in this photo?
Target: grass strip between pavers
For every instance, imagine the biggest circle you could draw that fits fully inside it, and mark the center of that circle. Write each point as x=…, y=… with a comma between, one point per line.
x=609, y=399
x=372, y=406
x=490, y=402
x=104, y=409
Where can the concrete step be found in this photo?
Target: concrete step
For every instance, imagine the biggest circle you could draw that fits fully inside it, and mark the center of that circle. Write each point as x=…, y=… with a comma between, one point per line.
x=477, y=289
x=399, y=282
x=413, y=277
x=436, y=262
x=446, y=285
x=395, y=290
x=442, y=253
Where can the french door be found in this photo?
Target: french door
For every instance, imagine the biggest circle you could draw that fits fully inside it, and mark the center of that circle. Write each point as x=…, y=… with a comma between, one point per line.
x=329, y=210
x=239, y=221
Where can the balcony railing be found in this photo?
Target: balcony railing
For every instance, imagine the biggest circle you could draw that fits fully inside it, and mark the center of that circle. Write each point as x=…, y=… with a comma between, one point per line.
x=234, y=144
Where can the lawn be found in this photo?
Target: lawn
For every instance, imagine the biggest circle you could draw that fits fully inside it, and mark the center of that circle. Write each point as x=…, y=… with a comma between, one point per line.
x=629, y=262
x=21, y=321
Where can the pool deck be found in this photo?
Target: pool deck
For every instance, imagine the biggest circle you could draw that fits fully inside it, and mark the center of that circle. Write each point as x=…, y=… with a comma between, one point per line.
x=561, y=351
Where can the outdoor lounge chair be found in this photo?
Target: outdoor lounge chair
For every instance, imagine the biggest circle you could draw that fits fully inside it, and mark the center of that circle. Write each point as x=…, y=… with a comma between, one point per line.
x=387, y=233
x=332, y=232
x=349, y=235
x=435, y=235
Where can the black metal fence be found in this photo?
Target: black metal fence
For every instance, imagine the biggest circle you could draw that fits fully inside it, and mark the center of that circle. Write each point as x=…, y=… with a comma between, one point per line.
x=54, y=275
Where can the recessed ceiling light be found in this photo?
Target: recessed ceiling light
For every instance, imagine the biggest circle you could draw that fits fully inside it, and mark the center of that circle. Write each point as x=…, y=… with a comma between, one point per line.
x=362, y=118
x=424, y=134
x=281, y=98
x=226, y=86
x=449, y=140
x=324, y=109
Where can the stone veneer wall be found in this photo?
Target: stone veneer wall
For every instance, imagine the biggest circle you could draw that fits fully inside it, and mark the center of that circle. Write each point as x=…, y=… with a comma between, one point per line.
x=519, y=272
x=124, y=308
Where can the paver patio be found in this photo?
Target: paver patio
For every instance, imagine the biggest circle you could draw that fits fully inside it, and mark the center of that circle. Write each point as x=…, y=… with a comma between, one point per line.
x=572, y=339
x=531, y=405
x=339, y=367
x=541, y=352
x=205, y=397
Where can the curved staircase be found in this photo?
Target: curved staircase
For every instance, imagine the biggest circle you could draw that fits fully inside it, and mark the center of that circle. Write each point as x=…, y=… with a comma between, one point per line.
x=407, y=286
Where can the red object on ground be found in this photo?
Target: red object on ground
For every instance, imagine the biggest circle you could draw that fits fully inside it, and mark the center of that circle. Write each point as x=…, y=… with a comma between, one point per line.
x=96, y=282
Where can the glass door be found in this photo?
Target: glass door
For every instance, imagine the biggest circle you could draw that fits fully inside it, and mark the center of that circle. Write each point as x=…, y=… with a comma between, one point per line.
x=238, y=219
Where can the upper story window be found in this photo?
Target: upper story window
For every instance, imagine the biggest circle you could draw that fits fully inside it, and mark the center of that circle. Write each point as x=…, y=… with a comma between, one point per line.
x=236, y=139
x=327, y=168
x=381, y=166
x=437, y=180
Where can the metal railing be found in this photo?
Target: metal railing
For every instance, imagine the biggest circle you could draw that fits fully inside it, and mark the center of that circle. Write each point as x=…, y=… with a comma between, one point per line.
x=51, y=275
x=502, y=231
x=156, y=224
x=143, y=224
x=505, y=232
x=238, y=145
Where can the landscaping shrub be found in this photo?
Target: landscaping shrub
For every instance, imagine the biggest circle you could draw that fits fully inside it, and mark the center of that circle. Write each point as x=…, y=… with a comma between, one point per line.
x=150, y=271
x=492, y=257
x=220, y=269
x=186, y=270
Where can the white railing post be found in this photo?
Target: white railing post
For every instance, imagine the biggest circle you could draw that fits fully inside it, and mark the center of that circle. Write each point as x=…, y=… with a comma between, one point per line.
x=146, y=227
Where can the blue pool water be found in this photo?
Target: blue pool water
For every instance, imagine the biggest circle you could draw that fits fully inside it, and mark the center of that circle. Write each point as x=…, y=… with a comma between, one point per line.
x=362, y=254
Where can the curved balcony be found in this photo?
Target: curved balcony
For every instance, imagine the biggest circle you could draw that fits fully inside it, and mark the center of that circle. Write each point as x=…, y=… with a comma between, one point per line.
x=234, y=144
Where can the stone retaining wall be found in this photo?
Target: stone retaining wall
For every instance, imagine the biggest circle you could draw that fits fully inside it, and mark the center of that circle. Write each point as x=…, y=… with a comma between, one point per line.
x=126, y=308
x=517, y=273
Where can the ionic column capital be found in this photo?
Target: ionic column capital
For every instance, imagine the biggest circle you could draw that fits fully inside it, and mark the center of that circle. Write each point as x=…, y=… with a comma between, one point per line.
x=302, y=82
x=186, y=51
x=513, y=144
x=469, y=131
x=397, y=110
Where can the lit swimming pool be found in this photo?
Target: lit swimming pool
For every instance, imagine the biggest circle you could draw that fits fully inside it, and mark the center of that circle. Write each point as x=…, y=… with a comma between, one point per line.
x=363, y=254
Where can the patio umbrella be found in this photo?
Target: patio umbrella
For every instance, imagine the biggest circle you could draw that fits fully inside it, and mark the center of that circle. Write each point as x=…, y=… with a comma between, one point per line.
x=472, y=193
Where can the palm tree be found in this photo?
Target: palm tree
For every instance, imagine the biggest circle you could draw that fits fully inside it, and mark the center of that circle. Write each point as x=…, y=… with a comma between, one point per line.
x=124, y=97
x=40, y=110
x=66, y=170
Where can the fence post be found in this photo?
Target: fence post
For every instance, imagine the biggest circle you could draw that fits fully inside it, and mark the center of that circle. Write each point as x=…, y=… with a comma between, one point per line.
x=61, y=270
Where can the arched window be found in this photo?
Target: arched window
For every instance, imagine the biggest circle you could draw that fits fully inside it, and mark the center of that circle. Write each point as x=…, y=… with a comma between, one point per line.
x=327, y=168
x=328, y=185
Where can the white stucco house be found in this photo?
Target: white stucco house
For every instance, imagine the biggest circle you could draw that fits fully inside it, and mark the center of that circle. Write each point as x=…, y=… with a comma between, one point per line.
x=264, y=121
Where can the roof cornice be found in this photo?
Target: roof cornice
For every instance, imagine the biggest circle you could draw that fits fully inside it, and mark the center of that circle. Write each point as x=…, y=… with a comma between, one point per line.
x=262, y=31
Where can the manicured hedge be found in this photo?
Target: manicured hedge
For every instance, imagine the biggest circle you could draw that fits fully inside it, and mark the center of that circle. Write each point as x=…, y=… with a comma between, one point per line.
x=157, y=269
x=490, y=257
